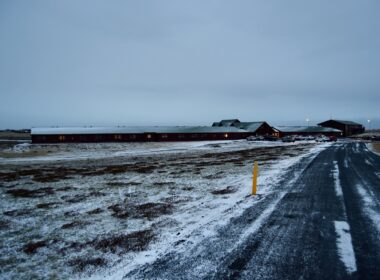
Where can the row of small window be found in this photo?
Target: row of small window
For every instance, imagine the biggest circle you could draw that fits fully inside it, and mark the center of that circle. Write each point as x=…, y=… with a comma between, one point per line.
x=83, y=138
x=182, y=136
x=119, y=136
x=148, y=136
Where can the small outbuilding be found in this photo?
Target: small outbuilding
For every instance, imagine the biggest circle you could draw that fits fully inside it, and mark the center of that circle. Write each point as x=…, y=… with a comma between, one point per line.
x=347, y=127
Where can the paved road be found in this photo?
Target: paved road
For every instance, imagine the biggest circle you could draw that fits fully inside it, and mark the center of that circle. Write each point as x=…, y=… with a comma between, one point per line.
x=322, y=222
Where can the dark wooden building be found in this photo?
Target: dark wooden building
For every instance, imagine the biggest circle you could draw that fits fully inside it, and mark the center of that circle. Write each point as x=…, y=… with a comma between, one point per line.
x=347, y=127
x=135, y=134
x=308, y=130
x=252, y=128
x=224, y=130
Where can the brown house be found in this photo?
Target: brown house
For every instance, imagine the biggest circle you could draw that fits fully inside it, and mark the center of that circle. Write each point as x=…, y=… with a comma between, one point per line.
x=347, y=127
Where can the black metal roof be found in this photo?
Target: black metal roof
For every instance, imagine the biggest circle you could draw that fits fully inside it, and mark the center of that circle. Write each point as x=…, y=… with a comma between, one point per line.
x=133, y=130
x=250, y=126
x=342, y=122
x=306, y=129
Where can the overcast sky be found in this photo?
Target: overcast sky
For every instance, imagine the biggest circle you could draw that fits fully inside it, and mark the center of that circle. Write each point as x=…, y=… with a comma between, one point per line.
x=187, y=62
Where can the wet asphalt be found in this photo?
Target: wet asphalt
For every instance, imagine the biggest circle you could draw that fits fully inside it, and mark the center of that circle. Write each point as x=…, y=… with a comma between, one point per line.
x=289, y=233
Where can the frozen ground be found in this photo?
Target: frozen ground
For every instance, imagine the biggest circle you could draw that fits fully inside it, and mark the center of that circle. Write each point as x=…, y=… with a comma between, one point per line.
x=374, y=147
x=95, y=210
x=26, y=152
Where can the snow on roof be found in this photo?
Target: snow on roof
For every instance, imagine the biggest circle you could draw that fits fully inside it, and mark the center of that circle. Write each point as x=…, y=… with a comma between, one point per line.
x=306, y=129
x=133, y=130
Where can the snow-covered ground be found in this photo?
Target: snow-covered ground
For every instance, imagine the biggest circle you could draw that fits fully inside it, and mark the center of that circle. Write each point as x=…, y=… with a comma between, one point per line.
x=99, y=210
x=26, y=152
x=371, y=147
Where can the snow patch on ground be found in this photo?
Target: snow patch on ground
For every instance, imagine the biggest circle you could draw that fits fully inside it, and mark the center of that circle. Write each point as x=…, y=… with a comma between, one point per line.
x=20, y=148
x=344, y=245
x=342, y=228
x=357, y=147
x=370, y=203
x=337, y=185
x=82, y=151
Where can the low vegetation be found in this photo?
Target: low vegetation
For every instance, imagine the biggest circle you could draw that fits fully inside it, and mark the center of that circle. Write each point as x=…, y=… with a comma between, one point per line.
x=376, y=147
x=76, y=216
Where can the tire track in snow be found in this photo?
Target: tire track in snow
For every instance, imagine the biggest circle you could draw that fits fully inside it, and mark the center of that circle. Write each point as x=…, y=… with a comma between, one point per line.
x=342, y=229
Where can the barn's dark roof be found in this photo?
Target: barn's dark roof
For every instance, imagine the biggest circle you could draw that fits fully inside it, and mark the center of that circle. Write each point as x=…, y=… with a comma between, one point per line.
x=133, y=130
x=230, y=122
x=306, y=129
x=250, y=126
x=342, y=122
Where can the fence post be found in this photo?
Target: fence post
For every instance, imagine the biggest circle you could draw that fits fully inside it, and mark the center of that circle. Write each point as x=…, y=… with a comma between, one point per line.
x=254, y=178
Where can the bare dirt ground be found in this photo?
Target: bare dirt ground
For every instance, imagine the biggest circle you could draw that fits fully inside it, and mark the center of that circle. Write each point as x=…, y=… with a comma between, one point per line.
x=77, y=216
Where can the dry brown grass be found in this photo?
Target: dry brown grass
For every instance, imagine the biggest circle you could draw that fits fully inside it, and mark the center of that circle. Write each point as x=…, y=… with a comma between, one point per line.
x=14, y=135
x=74, y=224
x=31, y=193
x=227, y=190
x=23, y=154
x=146, y=210
x=81, y=264
x=55, y=174
x=134, y=241
x=376, y=147
x=32, y=247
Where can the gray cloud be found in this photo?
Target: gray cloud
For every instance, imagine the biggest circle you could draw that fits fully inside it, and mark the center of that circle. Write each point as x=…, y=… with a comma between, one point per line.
x=187, y=62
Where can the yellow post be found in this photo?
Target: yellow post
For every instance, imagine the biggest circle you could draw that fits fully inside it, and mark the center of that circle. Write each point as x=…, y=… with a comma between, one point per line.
x=254, y=179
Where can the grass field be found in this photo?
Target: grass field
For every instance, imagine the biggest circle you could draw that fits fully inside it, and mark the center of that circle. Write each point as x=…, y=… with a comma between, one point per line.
x=10, y=135
x=376, y=147
x=88, y=207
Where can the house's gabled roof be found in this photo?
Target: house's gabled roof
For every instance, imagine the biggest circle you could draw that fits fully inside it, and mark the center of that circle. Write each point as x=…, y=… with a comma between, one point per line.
x=230, y=122
x=133, y=130
x=250, y=126
x=342, y=122
x=306, y=129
